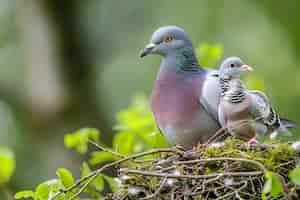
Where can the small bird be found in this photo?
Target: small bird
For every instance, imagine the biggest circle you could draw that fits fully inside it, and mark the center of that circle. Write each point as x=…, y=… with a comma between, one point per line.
x=246, y=114
x=185, y=97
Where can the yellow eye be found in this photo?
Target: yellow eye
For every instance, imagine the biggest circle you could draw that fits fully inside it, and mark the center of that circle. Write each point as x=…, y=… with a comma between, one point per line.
x=168, y=38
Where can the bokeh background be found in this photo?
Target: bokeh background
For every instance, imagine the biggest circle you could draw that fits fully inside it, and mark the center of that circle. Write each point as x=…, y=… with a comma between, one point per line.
x=68, y=64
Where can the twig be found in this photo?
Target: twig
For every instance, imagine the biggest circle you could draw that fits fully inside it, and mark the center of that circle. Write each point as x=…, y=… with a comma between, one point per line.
x=213, y=179
x=101, y=148
x=234, y=191
x=162, y=183
x=106, y=149
x=145, y=173
x=95, y=173
x=83, y=187
x=221, y=132
x=261, y=166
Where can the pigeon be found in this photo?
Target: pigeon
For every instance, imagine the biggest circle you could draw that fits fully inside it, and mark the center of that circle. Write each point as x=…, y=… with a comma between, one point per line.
x=185, y=96
x=246, y=113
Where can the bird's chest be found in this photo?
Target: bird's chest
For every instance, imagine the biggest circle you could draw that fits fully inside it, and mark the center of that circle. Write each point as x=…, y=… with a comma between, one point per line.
x=237, y=119
x=174, y=101
x=235, y=111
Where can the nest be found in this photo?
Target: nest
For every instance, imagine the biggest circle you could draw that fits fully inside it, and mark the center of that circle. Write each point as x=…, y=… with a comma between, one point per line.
x=228, y=170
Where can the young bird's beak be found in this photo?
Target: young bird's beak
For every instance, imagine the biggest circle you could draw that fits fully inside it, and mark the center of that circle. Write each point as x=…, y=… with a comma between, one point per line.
x=246, y=68
x=147, y=50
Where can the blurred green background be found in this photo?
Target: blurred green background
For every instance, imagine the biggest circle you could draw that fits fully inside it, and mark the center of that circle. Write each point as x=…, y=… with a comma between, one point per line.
x=68, y=64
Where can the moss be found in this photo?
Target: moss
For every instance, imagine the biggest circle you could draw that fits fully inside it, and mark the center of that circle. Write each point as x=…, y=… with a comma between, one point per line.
x=273, y=155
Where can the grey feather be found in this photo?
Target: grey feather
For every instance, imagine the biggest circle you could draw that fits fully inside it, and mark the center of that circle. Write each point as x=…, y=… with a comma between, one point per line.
x=210, y=94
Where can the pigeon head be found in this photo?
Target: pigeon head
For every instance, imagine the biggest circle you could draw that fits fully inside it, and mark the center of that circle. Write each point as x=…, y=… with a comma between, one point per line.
x=232, y=67
x=168, y=40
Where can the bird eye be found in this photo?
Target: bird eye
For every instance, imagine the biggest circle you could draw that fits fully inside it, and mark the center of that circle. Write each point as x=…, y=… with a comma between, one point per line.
x=168, y=38
x=231, y=65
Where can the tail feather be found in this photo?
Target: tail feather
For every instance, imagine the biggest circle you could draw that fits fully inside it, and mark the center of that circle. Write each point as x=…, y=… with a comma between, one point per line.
x=286, y=123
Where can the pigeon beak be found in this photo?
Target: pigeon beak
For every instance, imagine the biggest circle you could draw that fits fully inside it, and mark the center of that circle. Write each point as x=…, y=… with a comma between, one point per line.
x=246, y=68
x=147, y=50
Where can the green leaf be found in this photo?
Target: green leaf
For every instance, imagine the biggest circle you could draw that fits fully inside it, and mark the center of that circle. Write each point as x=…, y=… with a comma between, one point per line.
x=155, y=139
x=24, y=194
x=71, y=141
x=136, y=129
x=42, y=191
x=98, y=182
x=99, y=157
x=7, y=165
x=65, y=176
x=111, y=182
x=79, y=139
x=54, y=186
x=272, y=185
x=295, y=175
x=85, y=169
x=137, y=117
x=123, y=142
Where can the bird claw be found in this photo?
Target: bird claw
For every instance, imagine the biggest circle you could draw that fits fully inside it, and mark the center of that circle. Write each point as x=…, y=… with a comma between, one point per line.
x=252, y=143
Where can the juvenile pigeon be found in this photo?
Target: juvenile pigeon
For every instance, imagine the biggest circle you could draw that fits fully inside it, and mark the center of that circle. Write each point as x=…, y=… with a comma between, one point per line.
x=244, y=113
x=185, y=97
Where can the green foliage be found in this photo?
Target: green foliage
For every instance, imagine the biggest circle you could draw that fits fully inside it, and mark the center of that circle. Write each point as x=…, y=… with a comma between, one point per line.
x=98, y=182
x=43, y=191
x=209, y=55
x=7, y=165
x=49, y=189
x=79, y=139
x=273, y=186
x=135, y=132
x=65, y=176
x=24, y=194
x=136, y=124
x=295, y=176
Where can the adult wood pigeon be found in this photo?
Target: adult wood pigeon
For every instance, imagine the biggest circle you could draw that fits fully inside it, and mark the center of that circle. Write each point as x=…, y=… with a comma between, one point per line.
x=185, y=96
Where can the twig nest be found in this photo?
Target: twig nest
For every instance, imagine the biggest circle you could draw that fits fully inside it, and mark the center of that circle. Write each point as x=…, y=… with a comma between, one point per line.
x=227, y=170
x=134, y=191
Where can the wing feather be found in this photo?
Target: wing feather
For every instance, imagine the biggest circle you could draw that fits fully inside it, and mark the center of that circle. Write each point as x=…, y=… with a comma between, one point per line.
x=210, y=94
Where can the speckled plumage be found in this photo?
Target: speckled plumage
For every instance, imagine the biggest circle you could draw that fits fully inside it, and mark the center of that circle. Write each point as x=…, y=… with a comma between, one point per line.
x=245, y=113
